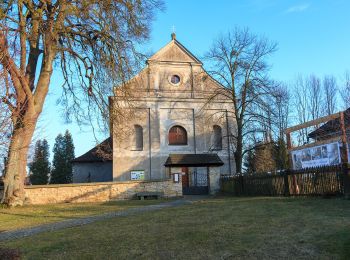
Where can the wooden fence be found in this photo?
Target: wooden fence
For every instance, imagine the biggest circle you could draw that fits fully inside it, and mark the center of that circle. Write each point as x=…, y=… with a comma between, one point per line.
x=328, y=180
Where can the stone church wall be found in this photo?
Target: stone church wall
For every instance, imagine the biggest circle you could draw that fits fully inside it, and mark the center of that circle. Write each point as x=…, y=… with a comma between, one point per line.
x=156, y=122
x=98, y=192
x=195, y=102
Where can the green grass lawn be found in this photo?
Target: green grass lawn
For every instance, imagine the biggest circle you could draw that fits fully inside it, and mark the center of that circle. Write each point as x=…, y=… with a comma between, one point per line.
x=221, y=228
x=33, y=215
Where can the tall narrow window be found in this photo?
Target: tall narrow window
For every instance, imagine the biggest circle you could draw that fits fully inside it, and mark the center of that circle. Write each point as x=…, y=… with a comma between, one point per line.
x=217, y=138
x=177, y=135
x=138, y=138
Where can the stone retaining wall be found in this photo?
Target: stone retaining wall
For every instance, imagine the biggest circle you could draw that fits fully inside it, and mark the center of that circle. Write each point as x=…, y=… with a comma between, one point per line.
x=99, y=191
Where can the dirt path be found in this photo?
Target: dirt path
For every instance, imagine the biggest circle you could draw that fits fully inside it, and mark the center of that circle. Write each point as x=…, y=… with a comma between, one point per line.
x=19, y=233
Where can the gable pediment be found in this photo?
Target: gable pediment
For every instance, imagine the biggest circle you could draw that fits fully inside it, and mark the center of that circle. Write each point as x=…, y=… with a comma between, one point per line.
x=174, y=51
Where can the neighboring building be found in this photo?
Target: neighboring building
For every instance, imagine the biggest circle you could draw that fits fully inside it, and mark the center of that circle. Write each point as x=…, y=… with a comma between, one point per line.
x=95, y=165
x=331, y=129
x=177, y=121
x=265, y=160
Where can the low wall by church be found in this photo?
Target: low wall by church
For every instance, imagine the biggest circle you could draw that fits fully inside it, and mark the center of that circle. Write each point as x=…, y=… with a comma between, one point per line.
x=98, y=192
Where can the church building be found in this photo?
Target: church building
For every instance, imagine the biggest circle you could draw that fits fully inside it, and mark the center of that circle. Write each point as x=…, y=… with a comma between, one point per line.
x=174, y=122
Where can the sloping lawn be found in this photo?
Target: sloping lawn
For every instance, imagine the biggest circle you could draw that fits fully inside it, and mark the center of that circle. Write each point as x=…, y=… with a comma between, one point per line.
x=33, y=215
x=222, y=228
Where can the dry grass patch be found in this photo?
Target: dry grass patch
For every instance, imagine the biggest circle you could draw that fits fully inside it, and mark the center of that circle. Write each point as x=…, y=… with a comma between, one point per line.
x=33, y=215
x=224, y=228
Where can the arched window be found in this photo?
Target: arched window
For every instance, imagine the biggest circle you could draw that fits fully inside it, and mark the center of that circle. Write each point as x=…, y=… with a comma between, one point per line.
x=138, y=137
x=217, y=138
x=177, y=135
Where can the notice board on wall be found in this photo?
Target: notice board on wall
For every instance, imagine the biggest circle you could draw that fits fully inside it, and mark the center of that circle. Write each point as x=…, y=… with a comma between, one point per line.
x=137, y=175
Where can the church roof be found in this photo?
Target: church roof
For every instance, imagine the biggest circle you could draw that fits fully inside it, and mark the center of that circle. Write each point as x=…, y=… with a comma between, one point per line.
x=193, y=160
x=100, y=153
x=174, y=51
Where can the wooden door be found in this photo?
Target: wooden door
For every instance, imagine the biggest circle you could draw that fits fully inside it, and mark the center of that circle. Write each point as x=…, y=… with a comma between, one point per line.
x=185, y=179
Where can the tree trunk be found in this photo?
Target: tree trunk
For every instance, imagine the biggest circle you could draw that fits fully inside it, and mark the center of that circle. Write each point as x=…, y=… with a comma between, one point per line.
x=239, y=147
x=239, y=157
x=29, y=107
x=15, y=169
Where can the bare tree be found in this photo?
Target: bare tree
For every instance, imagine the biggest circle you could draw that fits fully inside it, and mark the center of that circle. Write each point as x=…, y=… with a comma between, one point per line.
x=91, y=42
x=314, y=96
x=281, y=120
x=345, y=91
x=5, y=127
x=238, y=61
x=330, y=94
x=5, y=130
x=301, y=104
x=310, y=102
x=280, y=108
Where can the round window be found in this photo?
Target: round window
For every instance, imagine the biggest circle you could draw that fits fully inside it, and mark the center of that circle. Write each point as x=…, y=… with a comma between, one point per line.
x=175, y=79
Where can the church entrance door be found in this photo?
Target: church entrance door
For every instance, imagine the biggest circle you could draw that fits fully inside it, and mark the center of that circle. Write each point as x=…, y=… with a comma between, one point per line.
x=185, y=180
x=195, y=180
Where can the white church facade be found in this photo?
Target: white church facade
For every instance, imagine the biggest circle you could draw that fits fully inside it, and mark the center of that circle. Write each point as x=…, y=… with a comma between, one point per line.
x=176, y=122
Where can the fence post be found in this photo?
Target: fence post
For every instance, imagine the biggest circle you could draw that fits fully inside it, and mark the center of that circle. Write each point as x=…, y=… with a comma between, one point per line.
x=346, y=180
x=242, y=185
x=286, y=183
x=221, y=184
x=344, y=157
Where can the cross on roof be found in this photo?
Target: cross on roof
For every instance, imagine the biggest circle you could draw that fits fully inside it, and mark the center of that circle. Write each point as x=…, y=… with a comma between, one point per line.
x=173, y=35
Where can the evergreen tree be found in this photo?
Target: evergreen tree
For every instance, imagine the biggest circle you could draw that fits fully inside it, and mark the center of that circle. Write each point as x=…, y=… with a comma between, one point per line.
x=63, y=155
x=70, y=155
x=58, y=163
x=40, y=166
x=249, y=163
x=281, y=155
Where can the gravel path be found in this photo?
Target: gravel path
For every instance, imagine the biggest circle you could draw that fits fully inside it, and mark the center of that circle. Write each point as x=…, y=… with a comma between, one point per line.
x=19, y=233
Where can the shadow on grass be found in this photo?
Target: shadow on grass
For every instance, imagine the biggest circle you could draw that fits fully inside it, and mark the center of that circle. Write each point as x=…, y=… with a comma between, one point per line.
x=224, y=199
x=35, y=216
x=9, y=254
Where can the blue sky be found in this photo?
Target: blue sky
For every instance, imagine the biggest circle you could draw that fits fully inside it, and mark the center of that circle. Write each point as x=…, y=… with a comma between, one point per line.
x=312, y=37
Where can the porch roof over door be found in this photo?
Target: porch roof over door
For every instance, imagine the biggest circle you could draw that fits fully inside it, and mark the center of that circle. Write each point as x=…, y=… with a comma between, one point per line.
x=193, y=160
